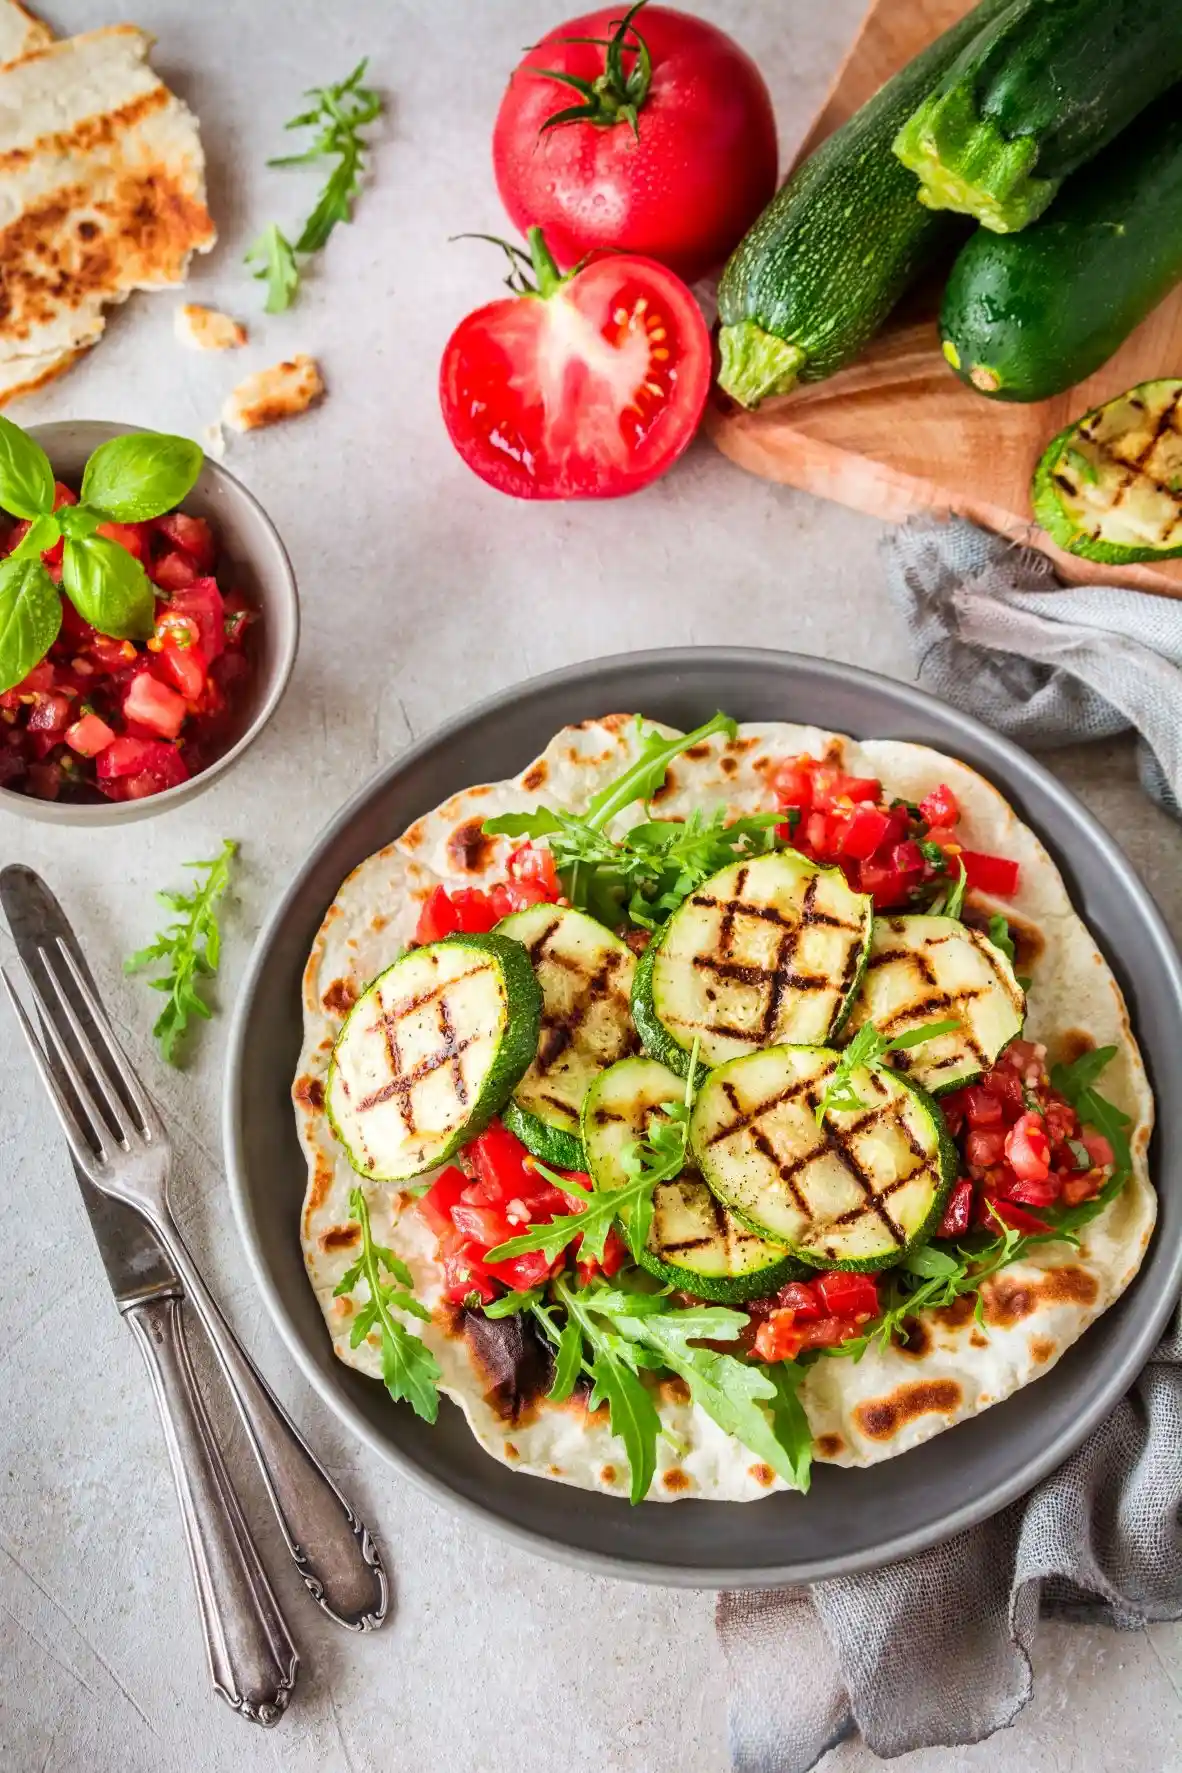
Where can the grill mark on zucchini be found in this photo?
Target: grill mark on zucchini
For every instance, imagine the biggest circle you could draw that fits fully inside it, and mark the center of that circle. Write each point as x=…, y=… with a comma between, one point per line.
x=1137, y=468
x=936, y=1000
x=402, y=1085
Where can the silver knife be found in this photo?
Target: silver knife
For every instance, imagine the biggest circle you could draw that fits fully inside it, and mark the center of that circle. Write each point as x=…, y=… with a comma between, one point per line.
x=252, y=1659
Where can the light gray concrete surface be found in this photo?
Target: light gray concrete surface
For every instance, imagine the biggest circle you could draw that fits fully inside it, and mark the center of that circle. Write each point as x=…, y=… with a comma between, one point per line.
x=421, y=592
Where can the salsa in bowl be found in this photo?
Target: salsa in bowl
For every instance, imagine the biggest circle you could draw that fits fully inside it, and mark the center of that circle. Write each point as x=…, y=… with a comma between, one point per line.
x=200, y=600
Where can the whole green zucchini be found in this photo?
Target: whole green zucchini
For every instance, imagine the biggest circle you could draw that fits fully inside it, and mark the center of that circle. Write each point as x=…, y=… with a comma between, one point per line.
x=1027, y=315
x=1034, y=98
x=838, y=244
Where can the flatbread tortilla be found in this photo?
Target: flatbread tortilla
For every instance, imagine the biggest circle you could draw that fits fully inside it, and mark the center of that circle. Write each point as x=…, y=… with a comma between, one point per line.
x=102, y=191
x=20, y=32
x=860, y=1413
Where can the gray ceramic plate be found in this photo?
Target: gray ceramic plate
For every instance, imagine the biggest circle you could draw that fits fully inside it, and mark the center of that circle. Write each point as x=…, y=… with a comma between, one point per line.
x=851, y=1520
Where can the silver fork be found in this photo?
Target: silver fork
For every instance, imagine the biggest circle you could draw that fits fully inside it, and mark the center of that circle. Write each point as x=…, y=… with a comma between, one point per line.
x=124, y=1151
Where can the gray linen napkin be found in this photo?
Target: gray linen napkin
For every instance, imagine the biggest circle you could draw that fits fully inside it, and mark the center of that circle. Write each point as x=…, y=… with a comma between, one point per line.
x=935, y=1651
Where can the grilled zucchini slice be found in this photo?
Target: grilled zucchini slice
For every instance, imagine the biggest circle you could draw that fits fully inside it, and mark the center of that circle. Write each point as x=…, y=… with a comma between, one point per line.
x=694, y=1242
x=928, y=969
x=766, y=951
x=430, y=1052
x=585, y=974
x=1109, y=487
x=858, y=1191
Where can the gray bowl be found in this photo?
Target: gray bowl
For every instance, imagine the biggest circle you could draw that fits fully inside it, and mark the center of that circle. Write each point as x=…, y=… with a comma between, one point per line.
x=250, y=542
x=851, y=1520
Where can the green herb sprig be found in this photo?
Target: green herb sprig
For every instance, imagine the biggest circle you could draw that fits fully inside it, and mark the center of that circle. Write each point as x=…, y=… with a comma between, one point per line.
x=190, y=949
x=339, y=116
x=867, y=1051
x=126, y=480
x=409, y=1369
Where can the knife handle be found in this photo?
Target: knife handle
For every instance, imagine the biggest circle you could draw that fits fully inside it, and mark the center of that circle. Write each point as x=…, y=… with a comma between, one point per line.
x=330, y=1544
x=252, y=1659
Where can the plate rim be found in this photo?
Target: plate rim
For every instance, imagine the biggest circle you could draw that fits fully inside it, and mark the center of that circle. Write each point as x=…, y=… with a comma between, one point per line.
x=1123, y=1371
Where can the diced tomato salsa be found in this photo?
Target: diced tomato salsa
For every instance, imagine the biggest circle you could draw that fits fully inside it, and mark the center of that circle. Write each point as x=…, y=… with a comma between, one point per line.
x=1022, y=1147
x=121, y=719
x=820, y=1313
x=496, y=1192
x=533, y=880
x=901, y=854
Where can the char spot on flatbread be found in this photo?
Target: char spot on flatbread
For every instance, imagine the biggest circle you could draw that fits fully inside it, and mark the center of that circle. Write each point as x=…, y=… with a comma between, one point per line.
x=309, y=1091
x=675, y=1480
x=1041, y=1350
x=830, y=1445
x=698, y=751
x=340, y=997
x=1072, y=1044
x=607, y=1474
x=728, y=765
x=675, y=1391
x=956, y=1315
x=977, y=1340
x=468, y=850
x=535, y=775
x=517, y=1368
x=339, y=1237
x=763, y=1474
x=554, y=1470
x=914, y=1341
x=512, y=1452
x=414, y=838
x=378, y=923
x=319, y=1188
x=1006, y=1300
x=882, y=1418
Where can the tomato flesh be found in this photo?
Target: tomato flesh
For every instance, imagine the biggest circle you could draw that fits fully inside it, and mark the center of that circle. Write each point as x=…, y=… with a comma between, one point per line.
x=591, y=391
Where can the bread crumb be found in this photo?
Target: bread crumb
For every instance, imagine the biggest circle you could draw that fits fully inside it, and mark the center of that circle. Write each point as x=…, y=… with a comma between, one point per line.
x=282, y=392
x=205, y=329
x=213, y=440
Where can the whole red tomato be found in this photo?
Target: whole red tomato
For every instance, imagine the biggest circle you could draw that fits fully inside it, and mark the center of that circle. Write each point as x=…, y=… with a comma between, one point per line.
x=657, y=137
x=578, y=387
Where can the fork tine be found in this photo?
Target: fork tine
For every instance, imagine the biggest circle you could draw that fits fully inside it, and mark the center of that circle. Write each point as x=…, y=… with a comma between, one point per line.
x=81, y=1147
x=125, y=1072
x=121, y=1123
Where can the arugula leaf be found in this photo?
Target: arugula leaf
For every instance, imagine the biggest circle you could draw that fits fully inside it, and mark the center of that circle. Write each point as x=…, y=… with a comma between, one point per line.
x=867, y=1051
x=409, y=1369
x=568, y=1364
x=26, y=477
x=108, y=587
x=511, y=1304
x=1074, y=1082
x=642, y=779
x=789, y=1422
x=999, y=935
x=1071, y=1080
x=140, y=475
x=632, y=1412
x=540, y=823
x=274, y=255
x=30, y=617
x=954, y=905
x=340, y=114
x=190, y=948
x=931, y=1263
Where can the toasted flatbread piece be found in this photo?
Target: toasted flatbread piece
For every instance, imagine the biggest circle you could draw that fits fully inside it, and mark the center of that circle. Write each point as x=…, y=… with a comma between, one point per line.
x=102, y=191
x=20, y=32
x=206, y=329
x=281, y=392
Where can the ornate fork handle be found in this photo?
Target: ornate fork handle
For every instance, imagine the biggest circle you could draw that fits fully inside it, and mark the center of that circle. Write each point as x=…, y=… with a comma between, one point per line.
x=332, y=1548
x=252, y=1659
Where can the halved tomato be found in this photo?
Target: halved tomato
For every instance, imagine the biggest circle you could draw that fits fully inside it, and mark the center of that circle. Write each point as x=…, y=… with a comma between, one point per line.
x=588, y=386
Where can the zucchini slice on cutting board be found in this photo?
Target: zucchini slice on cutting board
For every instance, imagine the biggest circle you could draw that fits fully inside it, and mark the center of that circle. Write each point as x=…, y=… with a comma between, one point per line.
x=929, y=969
x=766, y=951
x=1109, y=487
x=585, y=975
x=694, y=1242
x=858, y=1191
x=430, y=1052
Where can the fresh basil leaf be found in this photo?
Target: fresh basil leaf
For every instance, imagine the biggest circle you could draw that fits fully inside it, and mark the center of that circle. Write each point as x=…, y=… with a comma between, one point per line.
x=30, y=616
x=540, y=823
x=1071, y=1080
x=109, y=588
x=999, y=935
x=568, y=1363
x=642, y=779
x=140, y=475
x=41, y=534
x=78, y=521
x=26, y=477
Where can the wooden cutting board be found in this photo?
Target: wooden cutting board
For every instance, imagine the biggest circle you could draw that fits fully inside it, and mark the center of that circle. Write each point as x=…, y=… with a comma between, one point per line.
x=896, y=433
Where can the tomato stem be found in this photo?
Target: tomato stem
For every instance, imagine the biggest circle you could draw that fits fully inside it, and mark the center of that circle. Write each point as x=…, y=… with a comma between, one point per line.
x=613, y=96
x=545, y=270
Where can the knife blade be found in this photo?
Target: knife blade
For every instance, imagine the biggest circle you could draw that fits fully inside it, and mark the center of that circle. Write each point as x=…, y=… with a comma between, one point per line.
x=136, y=1262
